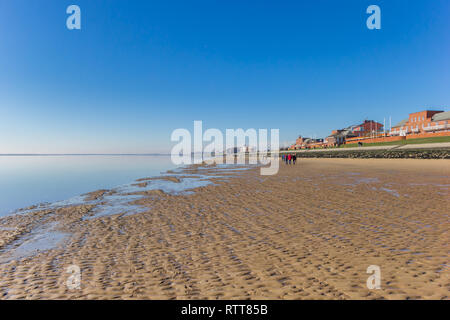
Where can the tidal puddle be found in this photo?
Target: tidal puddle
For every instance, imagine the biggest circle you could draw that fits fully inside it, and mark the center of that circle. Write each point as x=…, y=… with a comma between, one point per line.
x=38, y=240
x=116, y=201
x=393, y=192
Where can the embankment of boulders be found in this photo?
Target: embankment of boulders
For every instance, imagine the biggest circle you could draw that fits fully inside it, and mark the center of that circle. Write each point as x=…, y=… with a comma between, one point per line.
x=389, y=154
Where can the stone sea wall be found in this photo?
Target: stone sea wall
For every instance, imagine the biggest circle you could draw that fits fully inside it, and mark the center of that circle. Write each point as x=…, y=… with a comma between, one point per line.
x=394, y=154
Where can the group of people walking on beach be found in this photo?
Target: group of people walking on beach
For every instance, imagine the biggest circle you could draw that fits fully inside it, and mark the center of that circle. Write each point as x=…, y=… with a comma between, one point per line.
x=289, y=158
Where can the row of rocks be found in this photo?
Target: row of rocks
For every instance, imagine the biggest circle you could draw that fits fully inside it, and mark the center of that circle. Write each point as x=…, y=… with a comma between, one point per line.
x=390, y=154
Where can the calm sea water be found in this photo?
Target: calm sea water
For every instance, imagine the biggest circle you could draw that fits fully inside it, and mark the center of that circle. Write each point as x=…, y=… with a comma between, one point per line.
x=30, y=180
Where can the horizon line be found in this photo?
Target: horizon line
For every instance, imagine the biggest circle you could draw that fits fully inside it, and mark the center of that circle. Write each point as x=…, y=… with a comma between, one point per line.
x=84, y=154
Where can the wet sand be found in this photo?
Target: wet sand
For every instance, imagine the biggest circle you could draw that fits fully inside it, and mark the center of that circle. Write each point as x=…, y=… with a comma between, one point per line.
x=309, y=232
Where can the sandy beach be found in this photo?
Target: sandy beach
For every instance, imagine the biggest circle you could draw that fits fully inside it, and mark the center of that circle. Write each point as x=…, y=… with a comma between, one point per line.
x=309, y=232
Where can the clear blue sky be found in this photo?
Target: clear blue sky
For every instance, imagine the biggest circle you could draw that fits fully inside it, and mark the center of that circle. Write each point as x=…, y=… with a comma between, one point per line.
x=137, y=70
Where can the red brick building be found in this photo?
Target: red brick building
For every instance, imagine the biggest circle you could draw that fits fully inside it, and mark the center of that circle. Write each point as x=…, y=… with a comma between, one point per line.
x=423, y=122
x=367, y=128
x=306, y=143
x=427, y=123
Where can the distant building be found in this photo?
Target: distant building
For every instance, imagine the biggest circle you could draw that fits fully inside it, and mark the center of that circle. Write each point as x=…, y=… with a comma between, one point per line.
x=367, y=128
x=427, y=121
x=247, y=149
x=337, y=137
x=232, y=150
x=299, y=142
x=306, y=143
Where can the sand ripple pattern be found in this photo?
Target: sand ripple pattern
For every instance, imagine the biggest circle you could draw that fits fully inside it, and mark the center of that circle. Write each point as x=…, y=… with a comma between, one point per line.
x=309, y=232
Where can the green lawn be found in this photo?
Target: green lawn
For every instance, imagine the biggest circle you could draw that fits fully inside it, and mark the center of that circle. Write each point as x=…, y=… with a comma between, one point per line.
x=401, y=142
